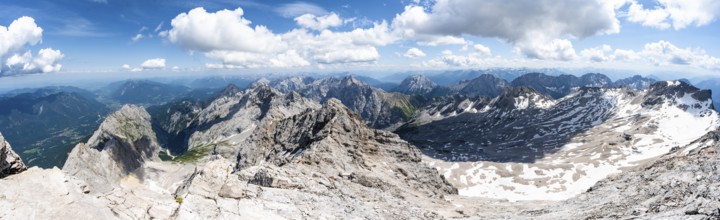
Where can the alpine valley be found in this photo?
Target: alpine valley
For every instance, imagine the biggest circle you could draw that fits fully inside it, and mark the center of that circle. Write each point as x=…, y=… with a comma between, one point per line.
x=537, y=146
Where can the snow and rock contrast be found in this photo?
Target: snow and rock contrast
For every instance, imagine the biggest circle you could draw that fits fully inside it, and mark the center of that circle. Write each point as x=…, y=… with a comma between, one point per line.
x=10, y=162
x=560, y=152
x=680, y=185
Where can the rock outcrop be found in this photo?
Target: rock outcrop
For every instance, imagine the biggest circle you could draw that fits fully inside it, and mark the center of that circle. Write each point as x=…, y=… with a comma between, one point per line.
x=335, y=140
x=10, y=162
x=122, y=144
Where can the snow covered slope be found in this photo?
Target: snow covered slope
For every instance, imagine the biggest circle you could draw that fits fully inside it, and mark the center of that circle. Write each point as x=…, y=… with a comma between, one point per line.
x=561, y=151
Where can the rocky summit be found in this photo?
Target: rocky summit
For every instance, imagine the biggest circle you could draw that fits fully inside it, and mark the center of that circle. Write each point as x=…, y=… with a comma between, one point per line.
x=10, y=162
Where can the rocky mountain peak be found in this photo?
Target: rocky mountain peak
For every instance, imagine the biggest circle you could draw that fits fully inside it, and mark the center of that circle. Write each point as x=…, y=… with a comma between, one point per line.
x=352, y=80
x=10, y=162
x=635, y=82
x=484, y=85
x=294, y=83
x=229, y=90
x=334, y=139
x=122, y=144
x=595, y=80
x=416, y=84
x=679, y=93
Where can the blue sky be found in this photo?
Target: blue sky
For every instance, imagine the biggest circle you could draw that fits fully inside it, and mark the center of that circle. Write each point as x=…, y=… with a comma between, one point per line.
x=143, y=36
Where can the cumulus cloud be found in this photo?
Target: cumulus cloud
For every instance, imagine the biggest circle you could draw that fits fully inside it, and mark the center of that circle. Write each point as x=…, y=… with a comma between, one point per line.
x=157, y=63
x=413, y=53
x=676, y=13
x=200, y=30
x=319, y=23
x=528, y=24
x=15, y=55
x=228, y=37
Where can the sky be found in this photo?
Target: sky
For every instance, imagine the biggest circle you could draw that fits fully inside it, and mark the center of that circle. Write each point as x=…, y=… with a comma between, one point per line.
x=136, y=37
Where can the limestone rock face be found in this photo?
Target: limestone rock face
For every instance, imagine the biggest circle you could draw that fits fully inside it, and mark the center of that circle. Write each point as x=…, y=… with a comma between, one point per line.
x=378, y=108
x=10, y=162
x=335, y=141
x=228, y=120
x=122, y=144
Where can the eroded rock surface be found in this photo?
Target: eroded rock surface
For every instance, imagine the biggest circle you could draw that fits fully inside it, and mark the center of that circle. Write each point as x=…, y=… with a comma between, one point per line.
x=10, y=162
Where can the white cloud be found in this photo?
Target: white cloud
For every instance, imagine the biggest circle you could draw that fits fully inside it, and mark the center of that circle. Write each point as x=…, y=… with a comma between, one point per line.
x=676, y=13
x=15, y=55
x=364, y=54
x=482, y=50
x=319, y=23
x=227, y=36
x=21, y=32
x=530, y=24
x=665, y=53
x=441, y=40
x=292, y=10
x=45, y=62
x=199, y=30
x=596, y=54
x=651, y=18
x=478, y=58
x=413, y=53
x=661, y=53
x=127, y=67
x=157, y=63
x=513, y=21
x=556, y=49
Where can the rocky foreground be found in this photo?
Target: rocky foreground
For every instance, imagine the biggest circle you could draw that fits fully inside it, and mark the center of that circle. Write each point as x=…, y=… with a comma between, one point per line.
x=322, y=162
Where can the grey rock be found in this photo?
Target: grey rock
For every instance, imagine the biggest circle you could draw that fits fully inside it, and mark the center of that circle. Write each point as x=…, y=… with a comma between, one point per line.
x=122, y=144
x=10, y=162
x=378, y=108
x=680, y=185
x=635, y=82
x=335, y=140
x=416, y=85
x=562, y=85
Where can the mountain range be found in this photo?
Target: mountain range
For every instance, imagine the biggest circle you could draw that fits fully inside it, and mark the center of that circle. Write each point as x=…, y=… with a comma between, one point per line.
x=333, y=147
